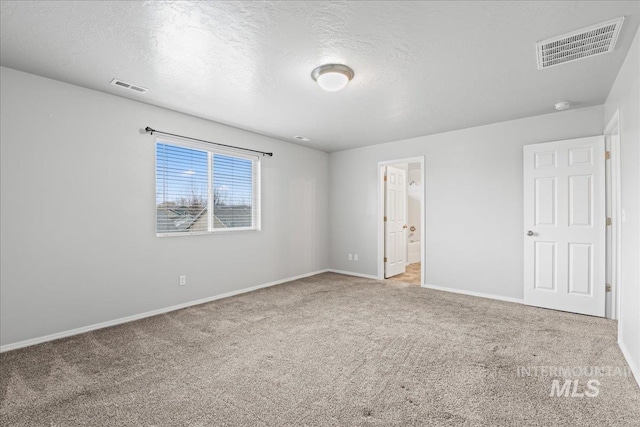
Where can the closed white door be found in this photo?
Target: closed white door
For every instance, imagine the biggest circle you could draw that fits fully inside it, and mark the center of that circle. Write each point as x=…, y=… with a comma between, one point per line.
x=564, y=225
x=395, y=222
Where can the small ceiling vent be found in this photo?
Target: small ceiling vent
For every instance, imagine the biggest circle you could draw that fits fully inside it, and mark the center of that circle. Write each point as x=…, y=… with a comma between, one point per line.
x=125, y=85
x=594, y=40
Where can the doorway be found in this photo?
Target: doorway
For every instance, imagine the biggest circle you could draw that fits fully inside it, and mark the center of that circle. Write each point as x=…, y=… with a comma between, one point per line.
x=401, y=219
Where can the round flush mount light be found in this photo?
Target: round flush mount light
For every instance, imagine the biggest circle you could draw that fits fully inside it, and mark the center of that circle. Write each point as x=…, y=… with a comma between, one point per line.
x=563, y=105
x=301, y=138
x=332, y=77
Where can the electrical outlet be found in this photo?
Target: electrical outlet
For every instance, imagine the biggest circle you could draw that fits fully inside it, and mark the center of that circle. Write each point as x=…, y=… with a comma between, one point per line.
x=350, y=257
x=355, y=257
x=183, y=280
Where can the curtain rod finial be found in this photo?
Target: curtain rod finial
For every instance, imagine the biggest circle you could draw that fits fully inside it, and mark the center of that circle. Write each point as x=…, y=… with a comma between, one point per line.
x=148, y=129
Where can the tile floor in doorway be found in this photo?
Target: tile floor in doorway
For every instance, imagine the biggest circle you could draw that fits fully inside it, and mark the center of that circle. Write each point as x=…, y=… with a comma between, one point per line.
x=411, y=276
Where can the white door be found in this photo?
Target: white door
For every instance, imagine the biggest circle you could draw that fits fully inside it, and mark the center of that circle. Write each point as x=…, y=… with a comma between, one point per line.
x=395, y=221
x=564, y=225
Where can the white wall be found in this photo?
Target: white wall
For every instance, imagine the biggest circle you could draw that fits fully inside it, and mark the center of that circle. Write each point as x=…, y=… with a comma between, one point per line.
x=625, y=95
x=78, y=243
x=474, y=200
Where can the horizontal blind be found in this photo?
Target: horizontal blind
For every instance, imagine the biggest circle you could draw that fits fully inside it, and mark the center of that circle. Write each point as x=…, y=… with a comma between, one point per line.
x=233, y=192
x=190, y=182
x=181, y=189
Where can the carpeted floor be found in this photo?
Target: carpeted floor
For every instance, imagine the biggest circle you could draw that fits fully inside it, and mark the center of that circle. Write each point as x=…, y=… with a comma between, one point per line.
x=328, y=350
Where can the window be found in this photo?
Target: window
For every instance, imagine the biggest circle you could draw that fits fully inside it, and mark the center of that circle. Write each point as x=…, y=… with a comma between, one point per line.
x=202, y=189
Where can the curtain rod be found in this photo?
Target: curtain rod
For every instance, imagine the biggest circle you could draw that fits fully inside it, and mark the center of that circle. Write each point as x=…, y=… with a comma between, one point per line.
x=151, y=131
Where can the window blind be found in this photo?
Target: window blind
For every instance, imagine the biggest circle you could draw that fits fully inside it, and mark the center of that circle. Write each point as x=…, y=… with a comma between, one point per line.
x=200, y=190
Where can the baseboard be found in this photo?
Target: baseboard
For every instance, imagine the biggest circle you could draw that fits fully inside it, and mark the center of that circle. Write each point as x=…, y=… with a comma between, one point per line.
x=82, y=330
x=635, y=369
x=474, y=294
x=351, y=273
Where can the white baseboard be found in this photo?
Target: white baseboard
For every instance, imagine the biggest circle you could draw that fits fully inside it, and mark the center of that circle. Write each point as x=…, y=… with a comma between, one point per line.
x=82, y=330
x=351, y=273
x=474, y=294
x=633, y=364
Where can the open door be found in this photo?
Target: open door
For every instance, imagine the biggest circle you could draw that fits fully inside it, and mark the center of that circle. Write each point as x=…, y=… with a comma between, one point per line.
x=564, y=225
x=395, y=221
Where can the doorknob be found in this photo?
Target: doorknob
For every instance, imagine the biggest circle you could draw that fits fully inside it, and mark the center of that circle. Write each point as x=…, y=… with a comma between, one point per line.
x=530, y=233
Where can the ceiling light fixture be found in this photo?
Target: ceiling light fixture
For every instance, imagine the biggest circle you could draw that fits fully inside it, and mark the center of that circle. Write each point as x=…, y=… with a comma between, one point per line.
x=301, y=138
x=563, y=105
x=332, y=77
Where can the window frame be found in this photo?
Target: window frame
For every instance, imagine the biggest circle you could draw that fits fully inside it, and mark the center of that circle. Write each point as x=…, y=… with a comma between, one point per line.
x=211, y=150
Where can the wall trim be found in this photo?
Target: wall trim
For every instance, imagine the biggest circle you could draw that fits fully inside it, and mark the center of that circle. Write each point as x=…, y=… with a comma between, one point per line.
x=635, y=369
x=134, y=317
x=351, y=273
x=474, y=294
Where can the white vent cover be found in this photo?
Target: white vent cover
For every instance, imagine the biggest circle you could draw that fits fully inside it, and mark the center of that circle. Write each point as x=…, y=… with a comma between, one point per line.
x=594, y=40
x=125, y=85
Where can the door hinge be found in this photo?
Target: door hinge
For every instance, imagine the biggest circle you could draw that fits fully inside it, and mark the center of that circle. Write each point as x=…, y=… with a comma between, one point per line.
x=385, y=259
x=607, y=287
x=608, y=221
x=384, y=218
x=607, y=155
x=385, y=177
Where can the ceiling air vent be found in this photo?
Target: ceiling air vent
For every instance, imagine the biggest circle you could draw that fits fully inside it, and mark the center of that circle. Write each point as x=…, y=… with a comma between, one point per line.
x=129, y=86
x=579, y=44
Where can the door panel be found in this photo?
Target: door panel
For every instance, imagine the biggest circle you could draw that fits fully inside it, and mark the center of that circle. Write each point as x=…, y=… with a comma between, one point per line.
x=545, y=266
x=580, y=203
x=545, y=160
x=545, y=201
x=564, y=219
x=395, y=233
x=581, y=156
x=580, y=267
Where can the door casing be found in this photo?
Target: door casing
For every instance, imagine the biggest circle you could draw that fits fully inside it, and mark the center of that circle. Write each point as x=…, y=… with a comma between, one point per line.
x=614, y=231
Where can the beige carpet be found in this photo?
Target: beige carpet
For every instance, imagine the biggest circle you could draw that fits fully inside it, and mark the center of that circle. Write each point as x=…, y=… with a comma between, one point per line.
x=329, y=350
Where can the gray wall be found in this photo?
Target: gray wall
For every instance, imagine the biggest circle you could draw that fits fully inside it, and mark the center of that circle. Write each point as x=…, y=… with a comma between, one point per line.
x=625, y=95
x=78, y=243
x=474, y=192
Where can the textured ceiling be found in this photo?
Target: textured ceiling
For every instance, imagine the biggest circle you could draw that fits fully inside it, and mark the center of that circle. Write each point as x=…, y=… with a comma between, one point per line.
x=421, y=68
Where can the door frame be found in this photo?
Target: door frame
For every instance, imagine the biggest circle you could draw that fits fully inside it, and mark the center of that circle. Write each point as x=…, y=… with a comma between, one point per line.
x=613, y=186
x=380, y=215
